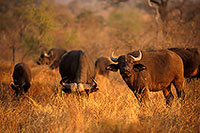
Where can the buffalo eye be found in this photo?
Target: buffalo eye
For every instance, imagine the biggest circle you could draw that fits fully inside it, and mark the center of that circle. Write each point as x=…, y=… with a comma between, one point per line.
x=42, y=56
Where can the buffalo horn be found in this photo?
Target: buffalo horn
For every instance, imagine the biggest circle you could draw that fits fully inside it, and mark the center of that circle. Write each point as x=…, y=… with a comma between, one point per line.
x=137, y=58
x=82, y=87
x=113, y=58
x=15, y=85
x=45, y=54
x=23, y=84
x=71, y=86
x=79, y=87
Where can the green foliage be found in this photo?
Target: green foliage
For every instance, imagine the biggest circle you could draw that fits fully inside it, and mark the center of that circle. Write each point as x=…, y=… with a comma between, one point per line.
x=31, y=43
x=71, y=37
x=87, y=18
x=31, y=21
x=40, y=22
x=126, y=21
x=41, y=17
x=34, y=44
x=63, y=19
x=126, y=26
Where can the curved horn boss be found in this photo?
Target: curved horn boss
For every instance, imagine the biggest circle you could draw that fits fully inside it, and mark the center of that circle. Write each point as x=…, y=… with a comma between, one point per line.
x=114, y=59
x=79, y=87
x=137, y=58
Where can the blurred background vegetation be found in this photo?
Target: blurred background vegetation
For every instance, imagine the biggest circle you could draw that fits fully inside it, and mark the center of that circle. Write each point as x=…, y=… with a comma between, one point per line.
x=28, y=27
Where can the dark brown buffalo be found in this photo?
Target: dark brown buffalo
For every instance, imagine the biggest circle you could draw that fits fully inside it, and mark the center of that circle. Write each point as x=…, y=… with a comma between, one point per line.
x=191, y=61
x=151, y=71
x=52, y=58
x=21, y=77
x=77, y=72
x=100, y=66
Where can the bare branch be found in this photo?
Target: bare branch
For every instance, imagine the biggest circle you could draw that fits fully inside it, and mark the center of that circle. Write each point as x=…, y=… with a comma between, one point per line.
x=110, y=3
x=156, y=2
x=149, y=2
x=156, y=6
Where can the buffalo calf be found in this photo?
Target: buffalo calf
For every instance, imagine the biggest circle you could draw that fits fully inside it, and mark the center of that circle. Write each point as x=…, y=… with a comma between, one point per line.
x=21, y=77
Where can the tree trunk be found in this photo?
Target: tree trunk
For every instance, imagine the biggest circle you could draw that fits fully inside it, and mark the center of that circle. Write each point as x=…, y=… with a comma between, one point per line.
x=13, y=54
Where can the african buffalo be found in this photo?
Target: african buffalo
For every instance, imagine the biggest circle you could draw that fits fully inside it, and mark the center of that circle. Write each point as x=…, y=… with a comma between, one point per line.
x=77, y=73
x=151, y=71
x=100, y=66
x=52, y=58
x=191, y=61
x=21, y=77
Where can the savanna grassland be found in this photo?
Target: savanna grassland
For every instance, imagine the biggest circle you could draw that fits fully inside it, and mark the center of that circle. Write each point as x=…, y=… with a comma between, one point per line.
x=29, y=27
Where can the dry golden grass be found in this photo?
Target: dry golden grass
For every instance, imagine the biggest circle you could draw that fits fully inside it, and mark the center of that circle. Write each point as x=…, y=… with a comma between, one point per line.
x=113, y=108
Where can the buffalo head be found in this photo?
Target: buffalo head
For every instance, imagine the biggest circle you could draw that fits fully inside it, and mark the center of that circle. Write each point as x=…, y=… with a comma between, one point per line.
x=52, y=58
x=44, y=59
x=127, y=64
x=78, y=87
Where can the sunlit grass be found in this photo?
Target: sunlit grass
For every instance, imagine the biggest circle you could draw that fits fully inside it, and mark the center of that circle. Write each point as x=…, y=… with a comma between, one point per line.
x=113, y=108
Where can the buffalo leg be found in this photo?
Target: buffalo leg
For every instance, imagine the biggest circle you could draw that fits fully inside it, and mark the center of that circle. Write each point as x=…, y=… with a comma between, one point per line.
x=18, y=92
x=168, y=95
x=179, y=89
x=17, y=89
x=142, y=97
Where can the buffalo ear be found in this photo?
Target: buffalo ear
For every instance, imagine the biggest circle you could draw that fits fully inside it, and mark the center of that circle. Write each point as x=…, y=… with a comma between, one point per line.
x=113, y=67
x=139, y=67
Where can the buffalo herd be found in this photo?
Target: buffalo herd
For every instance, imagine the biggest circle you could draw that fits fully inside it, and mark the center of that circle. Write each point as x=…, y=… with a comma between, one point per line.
x=142, y=71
